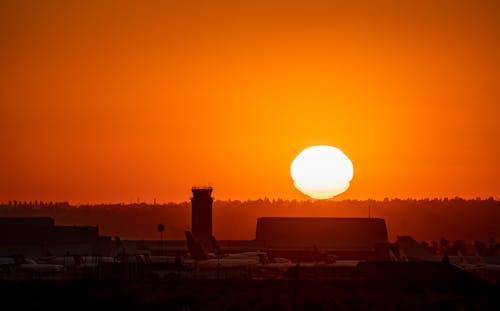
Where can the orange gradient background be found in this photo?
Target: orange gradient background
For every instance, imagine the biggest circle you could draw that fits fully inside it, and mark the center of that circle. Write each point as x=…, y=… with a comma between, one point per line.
x=107, y=101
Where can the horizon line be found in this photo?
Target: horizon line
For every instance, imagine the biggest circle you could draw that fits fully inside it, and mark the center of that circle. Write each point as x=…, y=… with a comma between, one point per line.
x=266, y=199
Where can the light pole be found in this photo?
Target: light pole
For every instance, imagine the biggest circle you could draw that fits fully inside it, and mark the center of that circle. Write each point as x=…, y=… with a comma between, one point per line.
x=161, y=228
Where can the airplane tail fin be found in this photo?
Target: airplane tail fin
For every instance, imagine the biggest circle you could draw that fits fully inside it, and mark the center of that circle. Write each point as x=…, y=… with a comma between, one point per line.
x=195, y=249
x=263, y=259
x=216, y=247
x=410, y=249
x=392, y=256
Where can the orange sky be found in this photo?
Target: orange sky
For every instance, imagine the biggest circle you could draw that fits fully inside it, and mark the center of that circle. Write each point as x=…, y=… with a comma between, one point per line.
x=108, y=101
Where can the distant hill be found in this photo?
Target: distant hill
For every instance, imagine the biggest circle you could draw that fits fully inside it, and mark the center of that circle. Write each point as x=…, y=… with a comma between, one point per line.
x=427, y=219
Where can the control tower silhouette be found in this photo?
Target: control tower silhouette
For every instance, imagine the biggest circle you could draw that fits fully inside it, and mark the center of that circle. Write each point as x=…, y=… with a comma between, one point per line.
x=201, y=216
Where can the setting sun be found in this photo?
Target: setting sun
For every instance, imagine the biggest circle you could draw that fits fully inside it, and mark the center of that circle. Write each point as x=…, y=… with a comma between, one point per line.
x=321, y=172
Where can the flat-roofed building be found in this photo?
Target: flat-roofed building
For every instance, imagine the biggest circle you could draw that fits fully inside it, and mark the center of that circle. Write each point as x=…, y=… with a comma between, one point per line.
x=37, y=236
x=346, y=237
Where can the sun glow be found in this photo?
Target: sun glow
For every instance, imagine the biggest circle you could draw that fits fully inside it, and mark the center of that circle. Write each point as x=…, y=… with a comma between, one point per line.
x=321, y=172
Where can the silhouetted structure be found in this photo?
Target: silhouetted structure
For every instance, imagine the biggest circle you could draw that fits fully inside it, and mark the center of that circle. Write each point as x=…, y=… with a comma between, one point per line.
x=324, y=232
x=347, y=238
x=40, y=236
x=201, y=224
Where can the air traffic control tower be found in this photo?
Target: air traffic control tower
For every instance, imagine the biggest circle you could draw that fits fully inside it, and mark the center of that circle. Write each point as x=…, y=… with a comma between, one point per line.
x=201, y=216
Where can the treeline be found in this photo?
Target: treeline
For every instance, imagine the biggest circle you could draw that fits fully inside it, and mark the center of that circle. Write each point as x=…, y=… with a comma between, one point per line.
x=424, y=219
x=34, y=204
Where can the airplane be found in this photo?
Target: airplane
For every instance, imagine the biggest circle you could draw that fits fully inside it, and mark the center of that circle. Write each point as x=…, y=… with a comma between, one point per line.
x=71, y=261
x=265, y=263
x=21, y=263
x=147, y=258
x=484, y=267
x=411, y=250
x=320, y=257
x=199, y=258
x=75, y=261
x=257, y=260
x=124, y=255
x=262, y=256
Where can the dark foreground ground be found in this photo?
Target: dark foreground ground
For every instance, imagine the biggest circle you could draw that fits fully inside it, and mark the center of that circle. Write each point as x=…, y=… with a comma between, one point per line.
x=246, y=295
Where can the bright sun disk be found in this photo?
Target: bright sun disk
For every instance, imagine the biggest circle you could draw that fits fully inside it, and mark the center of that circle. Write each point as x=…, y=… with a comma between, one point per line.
x=321, y=172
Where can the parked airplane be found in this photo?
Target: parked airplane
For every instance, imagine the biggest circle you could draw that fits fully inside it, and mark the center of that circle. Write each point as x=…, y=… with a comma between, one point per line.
x=201, y=259
x=75, y=261
x=71, y=261
x=124, y=255
x=266, y=263
x=411, y=250
x=261, y=256
x=257, y=260
x=21, y=263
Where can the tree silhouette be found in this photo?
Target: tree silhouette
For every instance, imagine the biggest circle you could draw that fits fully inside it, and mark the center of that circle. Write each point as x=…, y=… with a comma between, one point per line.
x=480, y=248
x=444, y=244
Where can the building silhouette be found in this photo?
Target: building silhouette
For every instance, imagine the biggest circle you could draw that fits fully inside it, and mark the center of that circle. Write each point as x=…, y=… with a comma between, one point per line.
x=346, y=238
x=201, y=216
x=324, y=232
x=38, y=236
